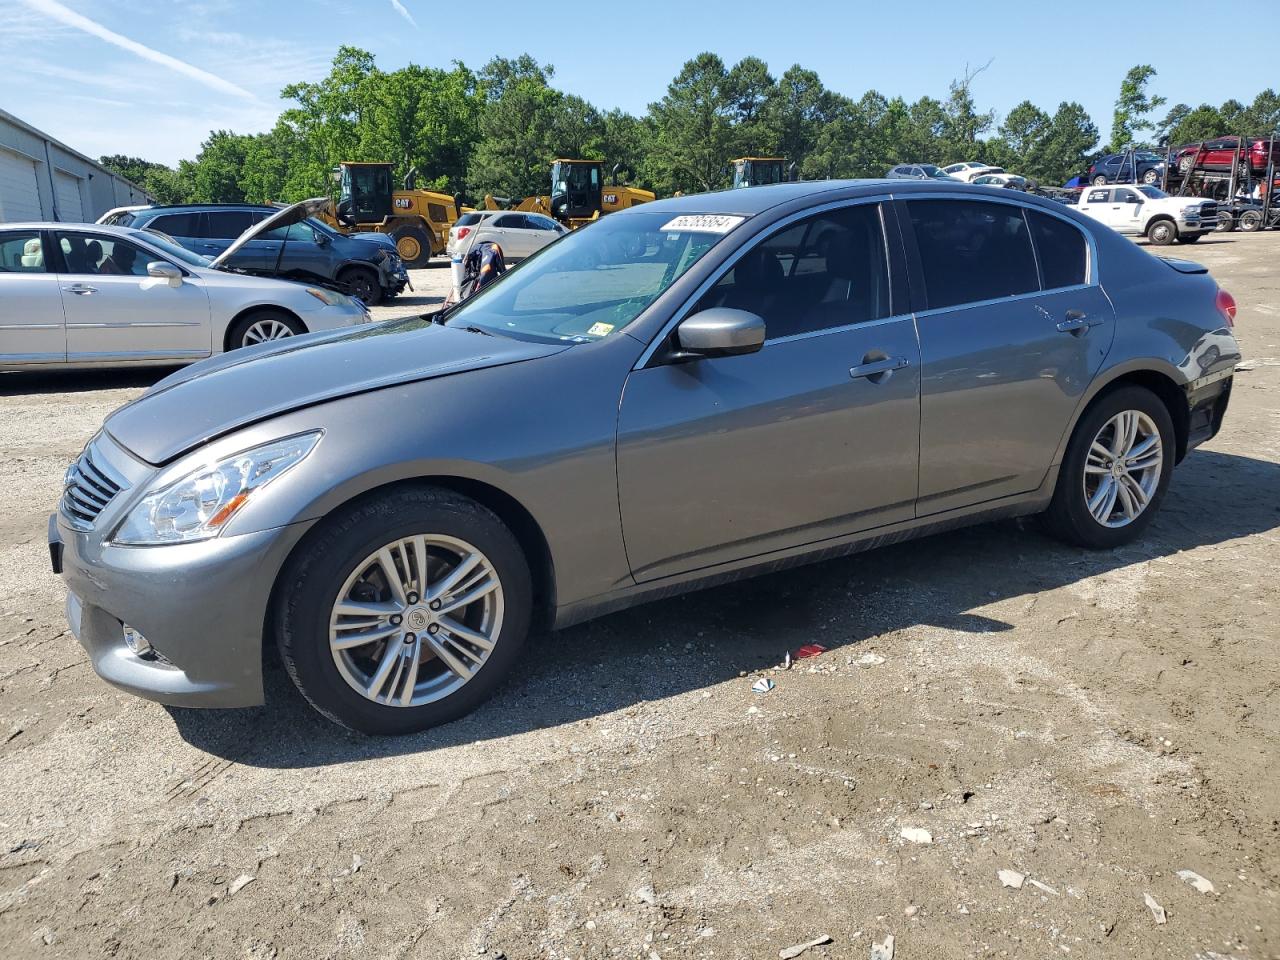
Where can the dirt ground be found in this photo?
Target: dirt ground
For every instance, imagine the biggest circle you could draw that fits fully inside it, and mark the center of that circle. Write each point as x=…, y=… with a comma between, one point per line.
x=1096, y=722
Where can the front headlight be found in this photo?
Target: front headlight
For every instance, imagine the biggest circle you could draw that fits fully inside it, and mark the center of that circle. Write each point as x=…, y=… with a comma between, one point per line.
x=198, y=506
x=1192, y=211
x=330, y=298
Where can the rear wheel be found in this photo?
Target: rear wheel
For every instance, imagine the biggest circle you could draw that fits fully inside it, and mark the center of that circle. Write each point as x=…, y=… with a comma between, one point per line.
x=363, y=284
x=1151, y=176
x=1099, y=180
x=404, y=612
x=1226, y=222
x=1162, y=232
x=263, y=326
x=413, y=244
x=1115, y=472
x=1251, y=220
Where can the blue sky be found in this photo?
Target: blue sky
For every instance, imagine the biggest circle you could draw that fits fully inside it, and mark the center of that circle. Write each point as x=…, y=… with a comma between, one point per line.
x=151, y=77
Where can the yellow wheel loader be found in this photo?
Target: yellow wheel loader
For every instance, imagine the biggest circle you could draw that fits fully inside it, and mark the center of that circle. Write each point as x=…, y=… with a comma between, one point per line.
x=418, y=220
x=580, y=195
x=758, y=171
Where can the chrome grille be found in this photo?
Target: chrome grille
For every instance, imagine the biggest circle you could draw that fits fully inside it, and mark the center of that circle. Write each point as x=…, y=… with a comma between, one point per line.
x=1208, y=211
x=87, y=489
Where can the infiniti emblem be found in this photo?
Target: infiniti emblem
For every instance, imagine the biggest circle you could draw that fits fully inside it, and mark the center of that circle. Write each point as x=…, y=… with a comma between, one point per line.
x=417, y=619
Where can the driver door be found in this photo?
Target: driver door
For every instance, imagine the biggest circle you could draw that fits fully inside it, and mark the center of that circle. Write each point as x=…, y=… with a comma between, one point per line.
x=1127, y=209
x=815, y=436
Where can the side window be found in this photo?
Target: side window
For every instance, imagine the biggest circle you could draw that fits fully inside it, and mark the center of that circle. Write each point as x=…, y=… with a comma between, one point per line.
x=507, y=221
x=1061, y=249
x=21, y=253
x=1098, y=196
x=827, y=271
x=436, y=212
x=1125, y=196
x=535, y=222
x=972, y=250
x=227, y=224
x=103, y=255
x=177, y=224
x=293, y=233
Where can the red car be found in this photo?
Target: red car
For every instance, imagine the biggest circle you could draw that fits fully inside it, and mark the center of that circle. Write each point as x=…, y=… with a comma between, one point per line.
x=1220, y=154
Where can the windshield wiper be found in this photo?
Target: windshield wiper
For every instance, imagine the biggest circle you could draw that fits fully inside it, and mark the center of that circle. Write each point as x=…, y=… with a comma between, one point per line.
x=479, y=330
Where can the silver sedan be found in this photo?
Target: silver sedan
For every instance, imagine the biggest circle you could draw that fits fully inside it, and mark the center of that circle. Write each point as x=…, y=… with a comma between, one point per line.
x=82, y=295
x=680, y=394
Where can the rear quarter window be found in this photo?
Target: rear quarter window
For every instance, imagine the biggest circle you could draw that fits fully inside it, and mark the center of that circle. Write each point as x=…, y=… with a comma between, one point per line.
x=1061, y=249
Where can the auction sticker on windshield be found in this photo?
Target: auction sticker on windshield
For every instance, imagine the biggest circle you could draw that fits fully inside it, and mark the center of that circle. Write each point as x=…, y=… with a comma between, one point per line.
x=703, y=223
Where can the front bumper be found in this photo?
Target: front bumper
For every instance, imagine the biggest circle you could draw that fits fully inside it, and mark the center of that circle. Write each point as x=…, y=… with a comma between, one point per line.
x=203, y=606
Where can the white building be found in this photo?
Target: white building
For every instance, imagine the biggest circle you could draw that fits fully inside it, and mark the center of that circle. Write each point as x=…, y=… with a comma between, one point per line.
x=42, y=179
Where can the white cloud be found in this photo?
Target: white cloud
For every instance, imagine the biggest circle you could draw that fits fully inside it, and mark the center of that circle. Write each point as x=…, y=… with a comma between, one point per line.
x=401, y=9
x=64, y=15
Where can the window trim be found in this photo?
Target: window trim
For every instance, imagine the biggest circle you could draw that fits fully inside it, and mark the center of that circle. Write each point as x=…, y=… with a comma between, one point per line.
x=885, y=202
x=1035, y=249
x=915, y=266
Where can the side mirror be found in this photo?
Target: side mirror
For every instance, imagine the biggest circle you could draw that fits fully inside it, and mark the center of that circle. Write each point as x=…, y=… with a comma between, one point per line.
x=320, y=238
x=718, y=332
x=165, y=271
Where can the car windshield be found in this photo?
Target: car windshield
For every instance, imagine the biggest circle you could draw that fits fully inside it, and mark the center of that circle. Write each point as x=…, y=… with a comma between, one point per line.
x=161, y=242
x=595, y=280
x=1155, y=193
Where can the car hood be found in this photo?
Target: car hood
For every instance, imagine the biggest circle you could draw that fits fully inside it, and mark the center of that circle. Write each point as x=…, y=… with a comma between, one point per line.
x=285, y=217
x=227, y=392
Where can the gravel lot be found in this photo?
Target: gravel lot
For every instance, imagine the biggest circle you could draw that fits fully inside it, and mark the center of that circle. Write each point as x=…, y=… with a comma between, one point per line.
x=1096, y=722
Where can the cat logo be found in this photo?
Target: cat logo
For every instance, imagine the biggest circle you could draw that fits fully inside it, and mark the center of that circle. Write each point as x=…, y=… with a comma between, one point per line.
x=610, y=198
x=403, y=203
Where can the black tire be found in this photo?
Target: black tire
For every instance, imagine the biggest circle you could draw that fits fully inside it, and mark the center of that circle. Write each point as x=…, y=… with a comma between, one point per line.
x=1251, y=220
x=249, y=330
x=1068, y=516
x=1226, y=222
x=363, y=283
x=311, y=580
x=1162, y=232
x=1189, y=237
x=411, y=238
x=1099, y=180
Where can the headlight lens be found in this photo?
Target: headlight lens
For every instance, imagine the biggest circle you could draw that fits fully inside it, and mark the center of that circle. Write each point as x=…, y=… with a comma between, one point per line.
x=198, y=506
x=330, y=298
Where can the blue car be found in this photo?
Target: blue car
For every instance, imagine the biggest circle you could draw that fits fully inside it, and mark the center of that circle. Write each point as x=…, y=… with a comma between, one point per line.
x=365, y=265
x=1119, y=168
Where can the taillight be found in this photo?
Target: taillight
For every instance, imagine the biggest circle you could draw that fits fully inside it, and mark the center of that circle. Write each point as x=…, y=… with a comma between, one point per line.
x=1226, y=305
x=463, y=231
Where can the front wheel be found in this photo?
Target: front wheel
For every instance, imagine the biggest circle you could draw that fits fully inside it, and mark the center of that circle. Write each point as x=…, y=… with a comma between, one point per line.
x=363, y=284
x=1115, y=472
x=1162, y=233
x=404, y=612
x=413, y=243
x=263, y=326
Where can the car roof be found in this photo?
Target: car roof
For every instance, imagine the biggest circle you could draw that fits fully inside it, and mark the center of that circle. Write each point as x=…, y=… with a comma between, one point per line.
x=51, y=225
x=750, y=201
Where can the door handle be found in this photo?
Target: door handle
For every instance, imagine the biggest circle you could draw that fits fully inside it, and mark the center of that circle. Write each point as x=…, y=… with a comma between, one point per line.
x=877, y=368
x=80, y=289
x=1076, y=321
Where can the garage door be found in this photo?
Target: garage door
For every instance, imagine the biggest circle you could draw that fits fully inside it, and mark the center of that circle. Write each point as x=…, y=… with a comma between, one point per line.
x=19, y=196
x=67, y=189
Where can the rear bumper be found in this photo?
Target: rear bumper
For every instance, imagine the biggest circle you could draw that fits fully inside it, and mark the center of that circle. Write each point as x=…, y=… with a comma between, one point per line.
x=203, y=607
x=1208, y=399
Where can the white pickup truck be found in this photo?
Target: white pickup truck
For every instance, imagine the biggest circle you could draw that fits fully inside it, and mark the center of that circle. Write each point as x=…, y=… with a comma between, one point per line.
x=1142, y=210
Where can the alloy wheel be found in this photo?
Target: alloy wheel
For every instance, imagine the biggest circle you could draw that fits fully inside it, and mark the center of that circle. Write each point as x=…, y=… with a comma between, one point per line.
x=263, y=330
x=1122, y=468
x=416, y=620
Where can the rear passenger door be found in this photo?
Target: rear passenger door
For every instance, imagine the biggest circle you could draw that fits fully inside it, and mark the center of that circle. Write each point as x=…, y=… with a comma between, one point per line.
x=1013, y=327
x=813, y=437
x=32, y=328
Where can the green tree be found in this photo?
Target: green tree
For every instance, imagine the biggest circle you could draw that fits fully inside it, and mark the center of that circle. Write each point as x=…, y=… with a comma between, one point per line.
x=1132, y=107
x=1202, y=123
x=964, y=123
x=1071, y=139
x=517, y=129
x=693, y=128
x=214, y=175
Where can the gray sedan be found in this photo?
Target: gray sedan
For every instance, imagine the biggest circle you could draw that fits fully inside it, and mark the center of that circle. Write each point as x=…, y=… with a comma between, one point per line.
x=688, y=392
